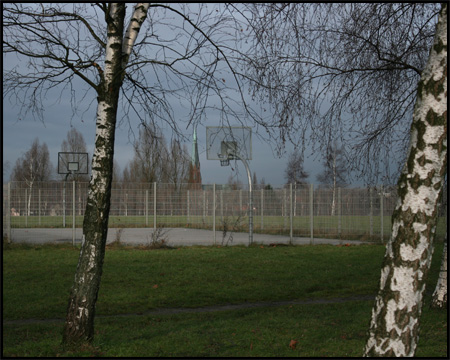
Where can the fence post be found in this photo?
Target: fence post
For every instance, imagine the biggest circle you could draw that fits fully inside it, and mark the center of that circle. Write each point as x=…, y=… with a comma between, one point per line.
x=240, y=200
x=214, y=212
x=39, y=205
x=262, y=209
x=371, y=212
x=291, y=215
x=381, y=214
x=221, y=204
x=339, y=213
x=64, y=204
x=154, y=206
x=73, y=213
x=204, y=206
x=295, y=200
x=8, y=214
x=146, y=207
x=26, y=207
x=285, y=209
x=187, y=207
x=311, y=212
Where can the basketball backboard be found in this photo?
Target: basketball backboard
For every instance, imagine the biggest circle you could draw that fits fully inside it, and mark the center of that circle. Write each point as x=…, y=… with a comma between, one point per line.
x=227, y=143
x=72, y=163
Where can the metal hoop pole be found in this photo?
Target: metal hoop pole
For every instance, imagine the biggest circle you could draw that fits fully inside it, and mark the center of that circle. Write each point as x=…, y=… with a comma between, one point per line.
x=250, y=193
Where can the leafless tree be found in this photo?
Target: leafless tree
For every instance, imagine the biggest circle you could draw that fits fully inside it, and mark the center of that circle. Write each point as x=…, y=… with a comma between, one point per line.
x=117, y=176
x=345, y=72
x=142, y=65
x=75, y=143
x=335, y=170
x=295, y=173
x=156, y=161
x=33, y=166
x=359, y=73
x=177, y=164
x=394, y=327
x=150, y=155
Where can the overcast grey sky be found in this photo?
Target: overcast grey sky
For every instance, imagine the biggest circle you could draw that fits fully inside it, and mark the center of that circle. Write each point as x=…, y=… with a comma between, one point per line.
x=19, y=133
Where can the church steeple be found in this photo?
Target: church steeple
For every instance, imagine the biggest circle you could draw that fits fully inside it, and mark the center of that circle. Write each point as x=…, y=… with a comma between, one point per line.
x=195, y=176
x=195, y=159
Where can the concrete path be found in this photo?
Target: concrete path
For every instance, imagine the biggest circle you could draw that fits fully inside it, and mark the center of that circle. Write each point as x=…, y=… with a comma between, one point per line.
x=173, y=237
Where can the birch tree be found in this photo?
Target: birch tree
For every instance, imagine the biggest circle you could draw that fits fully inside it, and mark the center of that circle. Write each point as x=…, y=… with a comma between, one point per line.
x=394, y=327
x=79, y=325
x=314, y=63
x=334, y=173
x=33, y=166
x=182, y=56
x=294, y=172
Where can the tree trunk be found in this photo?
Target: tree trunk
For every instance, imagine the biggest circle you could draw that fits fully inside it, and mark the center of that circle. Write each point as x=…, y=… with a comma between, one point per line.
x=394, y=326
x=79, y=325
x=440, y=292
x=28, y=210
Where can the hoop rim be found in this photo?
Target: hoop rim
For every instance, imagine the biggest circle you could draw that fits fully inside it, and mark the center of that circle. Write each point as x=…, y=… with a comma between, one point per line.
x=238, y=138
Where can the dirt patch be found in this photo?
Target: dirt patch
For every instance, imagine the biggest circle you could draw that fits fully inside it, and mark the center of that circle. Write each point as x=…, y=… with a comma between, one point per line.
x=214, y=308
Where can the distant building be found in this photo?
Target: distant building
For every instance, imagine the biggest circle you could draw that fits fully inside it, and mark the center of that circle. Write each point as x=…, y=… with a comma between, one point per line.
x=195, y=176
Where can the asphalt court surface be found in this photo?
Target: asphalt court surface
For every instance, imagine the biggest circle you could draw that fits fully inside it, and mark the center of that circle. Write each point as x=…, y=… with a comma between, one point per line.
x=173, y=237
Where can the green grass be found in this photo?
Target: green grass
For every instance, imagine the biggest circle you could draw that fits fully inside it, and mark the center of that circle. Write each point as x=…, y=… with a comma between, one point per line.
x=36, y=282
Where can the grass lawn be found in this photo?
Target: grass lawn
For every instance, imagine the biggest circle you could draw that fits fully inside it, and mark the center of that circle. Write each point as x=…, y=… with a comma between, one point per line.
x=36, y=282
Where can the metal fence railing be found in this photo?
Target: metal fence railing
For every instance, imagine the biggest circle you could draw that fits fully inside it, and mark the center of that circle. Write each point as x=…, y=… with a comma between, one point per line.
x=295, y=211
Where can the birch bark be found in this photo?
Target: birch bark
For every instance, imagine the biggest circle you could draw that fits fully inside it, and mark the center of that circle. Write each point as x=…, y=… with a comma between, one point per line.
x=394, y=327
x=79, y=325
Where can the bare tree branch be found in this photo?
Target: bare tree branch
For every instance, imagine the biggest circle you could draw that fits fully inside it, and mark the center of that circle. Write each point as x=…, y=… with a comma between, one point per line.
x=342, y=70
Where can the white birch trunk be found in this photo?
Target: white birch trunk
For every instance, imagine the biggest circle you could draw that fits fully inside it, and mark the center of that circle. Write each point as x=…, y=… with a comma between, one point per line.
x=394, y=327
x=439, y=299
x=79, y=326
x=30, y=188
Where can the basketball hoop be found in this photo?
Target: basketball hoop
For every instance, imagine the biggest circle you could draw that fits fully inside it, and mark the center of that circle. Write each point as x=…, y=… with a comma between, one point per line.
x=232, y=143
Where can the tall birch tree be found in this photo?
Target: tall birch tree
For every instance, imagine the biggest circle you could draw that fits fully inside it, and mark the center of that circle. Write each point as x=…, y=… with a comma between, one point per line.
x=32, y=167
x=79, y=325
x=180, y=57
x=314, y=63
x=394, y=327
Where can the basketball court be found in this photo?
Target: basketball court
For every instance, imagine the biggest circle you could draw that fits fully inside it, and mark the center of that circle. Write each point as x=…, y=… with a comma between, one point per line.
x=223, y=144
x=173, y=236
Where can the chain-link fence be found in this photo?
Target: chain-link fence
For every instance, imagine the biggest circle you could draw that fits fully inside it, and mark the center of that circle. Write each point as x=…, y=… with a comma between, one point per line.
x=294, y=210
